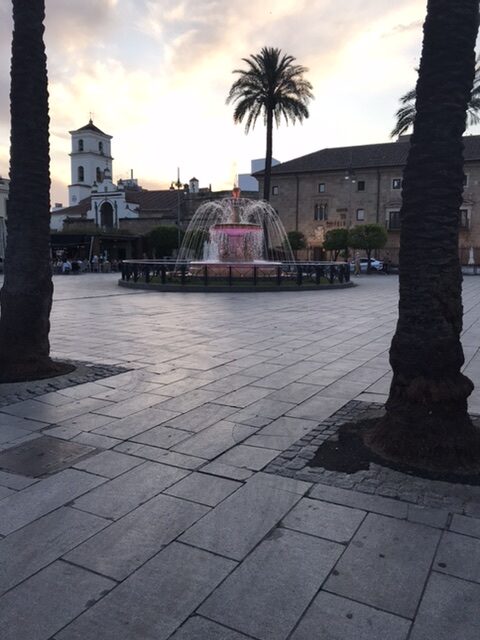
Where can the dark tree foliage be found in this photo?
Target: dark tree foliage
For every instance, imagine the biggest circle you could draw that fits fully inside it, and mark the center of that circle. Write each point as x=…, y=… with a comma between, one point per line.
x=336, y=241
x=426, y=422
x=297, y=241
x=274, y=87
x=367, y=237
x=163, y=240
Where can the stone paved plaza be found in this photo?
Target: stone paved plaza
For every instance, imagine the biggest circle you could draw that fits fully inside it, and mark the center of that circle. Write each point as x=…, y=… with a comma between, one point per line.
x=171, y=524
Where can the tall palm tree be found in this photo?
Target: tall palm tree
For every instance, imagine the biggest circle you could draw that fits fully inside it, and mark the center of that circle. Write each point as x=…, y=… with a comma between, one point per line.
x=426, y=422
x=26, y=296
x=274, y=86
x=405, y=115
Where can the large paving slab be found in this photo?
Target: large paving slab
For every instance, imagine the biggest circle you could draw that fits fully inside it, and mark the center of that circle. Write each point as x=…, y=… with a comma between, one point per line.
x=108, y=464
x=129, y=542
x=155, y=600
x=203, y=488
x=201, y=417
x=449, y=609
x=47, y=495
x=198, y=628
x=459, y=556
x=132, y=425
x=240, y=522
x=465, y=525
x=246, y=457
x=214, y=440
x=49, y=414
x=128, y=491
x=157, y=454
x=324, y=519
x=386, y=564
x=377, y=504
x=333, y=618
x=38, y=544
x=15, y=480
x=46, y=602
x=268, y=593
x=161, y=436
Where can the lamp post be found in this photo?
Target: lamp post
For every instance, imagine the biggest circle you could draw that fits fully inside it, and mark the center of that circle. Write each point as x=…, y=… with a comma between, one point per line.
x=177, y=186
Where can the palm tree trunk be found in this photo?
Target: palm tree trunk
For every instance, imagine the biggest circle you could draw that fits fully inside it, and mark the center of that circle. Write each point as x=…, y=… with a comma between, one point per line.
x=426, y=419
x=26, y=296
x=268, y=156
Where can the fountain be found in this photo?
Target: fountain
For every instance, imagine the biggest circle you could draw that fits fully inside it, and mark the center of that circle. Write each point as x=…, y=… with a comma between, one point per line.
x=231, y=245
x=235, y=233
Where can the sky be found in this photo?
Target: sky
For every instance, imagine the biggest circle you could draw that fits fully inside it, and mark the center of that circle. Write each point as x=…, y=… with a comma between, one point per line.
x=156, y=73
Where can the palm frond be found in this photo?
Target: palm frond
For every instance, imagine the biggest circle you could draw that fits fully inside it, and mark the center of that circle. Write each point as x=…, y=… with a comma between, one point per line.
x=405, y=116
x=270, y=83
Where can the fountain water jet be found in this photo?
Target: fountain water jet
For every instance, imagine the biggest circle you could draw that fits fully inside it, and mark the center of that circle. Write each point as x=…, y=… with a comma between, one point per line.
x=235, y=232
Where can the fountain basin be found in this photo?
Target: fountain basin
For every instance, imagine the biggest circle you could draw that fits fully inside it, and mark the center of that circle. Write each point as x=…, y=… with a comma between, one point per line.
x=235, y=269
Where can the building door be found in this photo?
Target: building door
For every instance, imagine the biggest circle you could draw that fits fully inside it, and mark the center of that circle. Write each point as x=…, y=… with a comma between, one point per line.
x=106, y=216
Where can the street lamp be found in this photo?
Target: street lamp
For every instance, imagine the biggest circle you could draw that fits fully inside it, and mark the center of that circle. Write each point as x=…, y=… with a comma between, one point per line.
x=177, y=186
x=350, y=178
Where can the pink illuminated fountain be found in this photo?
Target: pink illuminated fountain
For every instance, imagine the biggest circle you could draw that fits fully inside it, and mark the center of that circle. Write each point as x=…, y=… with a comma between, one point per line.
x=236, y=233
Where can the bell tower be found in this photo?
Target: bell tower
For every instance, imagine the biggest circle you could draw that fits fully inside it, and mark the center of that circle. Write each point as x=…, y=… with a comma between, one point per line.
x=89, y=158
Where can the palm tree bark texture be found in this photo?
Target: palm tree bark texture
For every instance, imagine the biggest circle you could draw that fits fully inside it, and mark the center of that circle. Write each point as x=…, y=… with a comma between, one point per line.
x=274, y=86
x=426, y=422
x=26, y=296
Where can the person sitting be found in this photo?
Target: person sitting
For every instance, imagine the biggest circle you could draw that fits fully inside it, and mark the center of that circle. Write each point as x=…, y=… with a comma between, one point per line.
x=66, y=266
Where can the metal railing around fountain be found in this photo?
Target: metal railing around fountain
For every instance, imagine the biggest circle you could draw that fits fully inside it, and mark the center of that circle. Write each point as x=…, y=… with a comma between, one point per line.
x=235, y=274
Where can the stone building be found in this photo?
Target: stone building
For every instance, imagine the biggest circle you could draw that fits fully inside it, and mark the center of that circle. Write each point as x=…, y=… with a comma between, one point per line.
x=117, y=214
x=346, y=186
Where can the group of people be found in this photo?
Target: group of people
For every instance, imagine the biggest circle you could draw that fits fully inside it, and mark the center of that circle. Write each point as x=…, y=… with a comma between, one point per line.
x=97, y=265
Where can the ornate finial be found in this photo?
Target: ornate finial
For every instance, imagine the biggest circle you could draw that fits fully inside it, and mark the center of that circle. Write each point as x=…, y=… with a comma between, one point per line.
x=91, y=117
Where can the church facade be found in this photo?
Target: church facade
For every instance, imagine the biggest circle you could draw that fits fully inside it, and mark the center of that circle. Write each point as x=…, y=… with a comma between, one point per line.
x=97, y=202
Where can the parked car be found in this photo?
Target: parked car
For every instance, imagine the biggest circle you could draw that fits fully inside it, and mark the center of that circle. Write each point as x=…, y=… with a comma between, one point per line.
x=375, y=265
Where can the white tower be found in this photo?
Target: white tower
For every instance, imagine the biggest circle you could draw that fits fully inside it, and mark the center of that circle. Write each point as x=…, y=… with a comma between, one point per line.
x=90, y=157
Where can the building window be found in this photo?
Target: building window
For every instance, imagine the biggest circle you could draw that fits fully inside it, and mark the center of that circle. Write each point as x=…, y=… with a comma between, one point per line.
x=81, y=174
x=464, y=219
x=361, y=185
x=321, y=187
x=100, y=147
x=360, y=215
x=397, y=183
x=98, y=175
x=320, y=212
x=275, y=191
x=80, y=145
x=394, y=220
x=465, y=179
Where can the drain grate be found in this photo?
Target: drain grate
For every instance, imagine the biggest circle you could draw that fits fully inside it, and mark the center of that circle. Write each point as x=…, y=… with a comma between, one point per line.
x=43, y=456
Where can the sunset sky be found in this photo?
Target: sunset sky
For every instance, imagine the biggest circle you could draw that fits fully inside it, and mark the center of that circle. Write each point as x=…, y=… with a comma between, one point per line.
x=155, y=74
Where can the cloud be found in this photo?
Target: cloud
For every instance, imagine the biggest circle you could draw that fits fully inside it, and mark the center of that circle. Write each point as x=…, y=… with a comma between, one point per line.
x=156, y=74
x=416, y=25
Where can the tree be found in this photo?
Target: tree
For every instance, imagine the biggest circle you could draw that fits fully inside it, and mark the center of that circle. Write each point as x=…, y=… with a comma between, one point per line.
x=297, y=241
x=426, y=422
x=405, y=115
x=336, y=240
x=26, y=296
x=162, y=240
x=274, y=86
x=367, y=237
